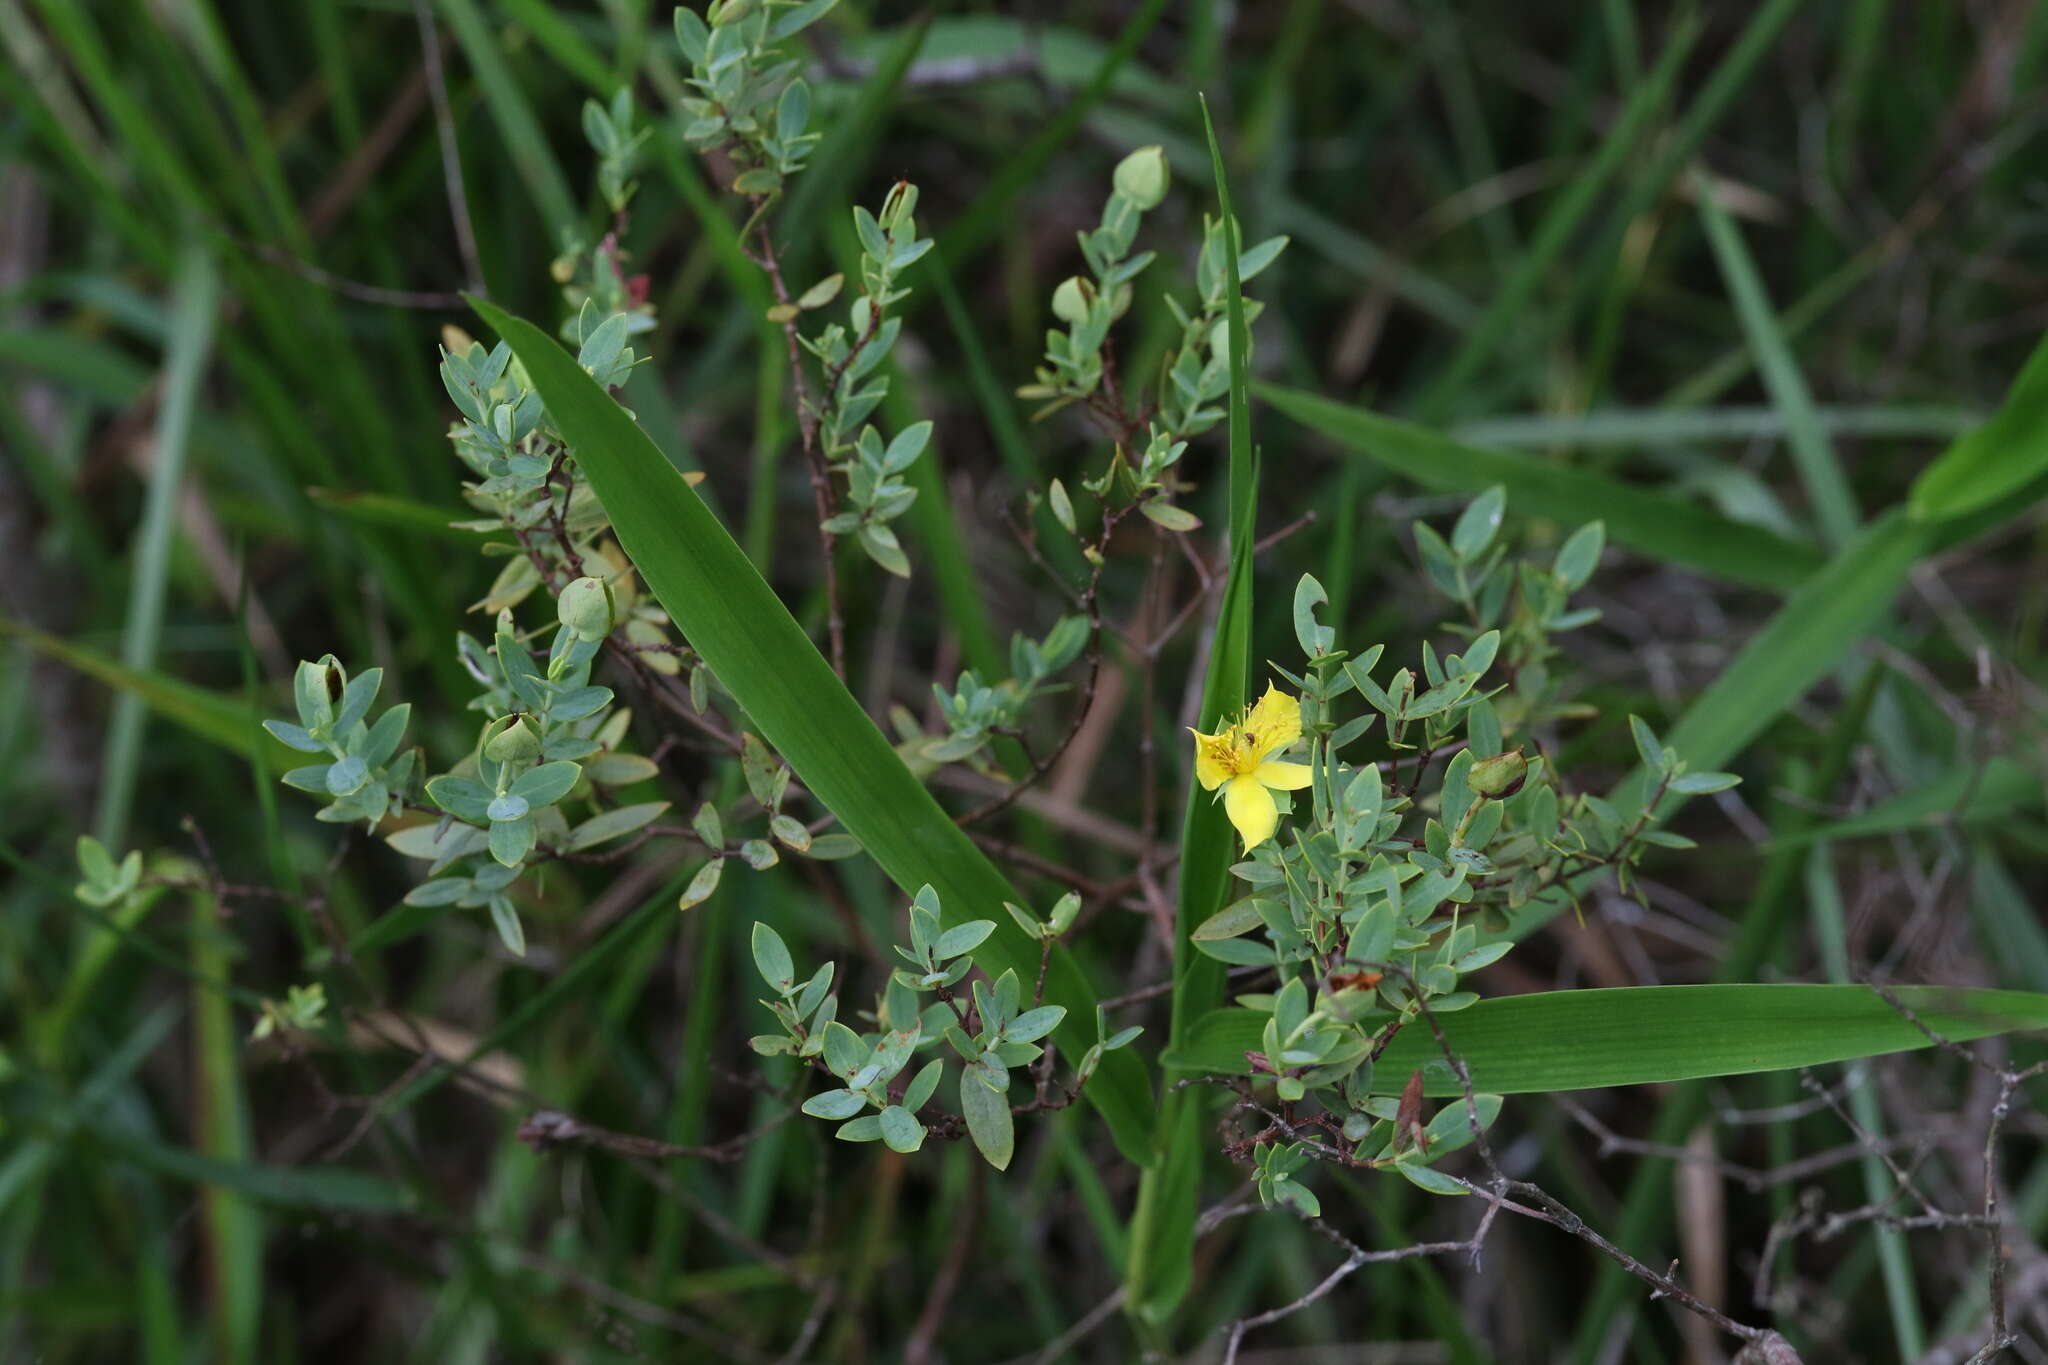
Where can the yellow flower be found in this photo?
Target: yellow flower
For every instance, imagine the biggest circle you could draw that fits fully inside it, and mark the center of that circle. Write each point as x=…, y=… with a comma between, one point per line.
x=1236, y=759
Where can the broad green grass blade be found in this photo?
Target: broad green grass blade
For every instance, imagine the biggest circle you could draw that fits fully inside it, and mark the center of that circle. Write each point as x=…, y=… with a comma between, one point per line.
x=1646, y=1035
x=2002, y=456
x=195, y=301
x=1661, y=527
x=1817, y=625
x=731, y=616
x=1162, y=1246
x=1827, y=489
x=95, y=368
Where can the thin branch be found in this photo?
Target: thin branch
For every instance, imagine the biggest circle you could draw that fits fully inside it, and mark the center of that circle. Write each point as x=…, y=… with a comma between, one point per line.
x=451, y=153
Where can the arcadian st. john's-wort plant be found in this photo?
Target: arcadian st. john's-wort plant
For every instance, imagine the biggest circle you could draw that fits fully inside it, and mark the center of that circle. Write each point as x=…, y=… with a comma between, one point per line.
x=1390, y=822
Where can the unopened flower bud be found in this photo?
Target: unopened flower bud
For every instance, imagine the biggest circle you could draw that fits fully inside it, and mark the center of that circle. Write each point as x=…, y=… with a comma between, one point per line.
x=1141, y=177
x=516, y=743
x=1500, y=776
x=585, y=607
x=1070, y=301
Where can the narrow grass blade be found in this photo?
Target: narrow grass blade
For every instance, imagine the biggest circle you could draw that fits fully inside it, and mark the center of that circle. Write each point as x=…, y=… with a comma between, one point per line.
x=1375, y=263
x=334, y=1188
x=1646, y=1035
x=213, y=717
x=729, y=615
x=1162, y=1246
x=555, y=36
x=195, y=301
x=233, y=1227
x=1827, y=489
x=1968, y=794
x=2008, y=926
x=1666, y=426
x=1830, y=926
x=1664, y=528
x=399, y=513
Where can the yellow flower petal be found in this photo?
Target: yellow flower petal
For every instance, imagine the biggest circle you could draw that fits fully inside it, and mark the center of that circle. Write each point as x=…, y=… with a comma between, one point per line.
x=1250, y=807
x=1270, y=727
x=1212, y=759
x=1288, y=777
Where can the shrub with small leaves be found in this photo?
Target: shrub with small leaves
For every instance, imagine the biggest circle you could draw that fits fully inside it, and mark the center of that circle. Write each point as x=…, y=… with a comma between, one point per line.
x=988, y=1029
x=1397, y=876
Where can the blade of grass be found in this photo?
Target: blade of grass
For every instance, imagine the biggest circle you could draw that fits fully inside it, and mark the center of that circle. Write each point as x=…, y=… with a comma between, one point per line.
x=219, y=719
x=1830, y=929
x=233, y=1227
x=560, y=40
x=334, y=1188
x=1162, y=1245
x=1967, y=794
x=1827, y=489
x=1377, y=265
x=30, y=1154
x=1666, y=426
x=2008, y=926
x=1664, y=528
x=195, y=300
x=399, y=513
x=1646, y=1035
x=744, y=632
